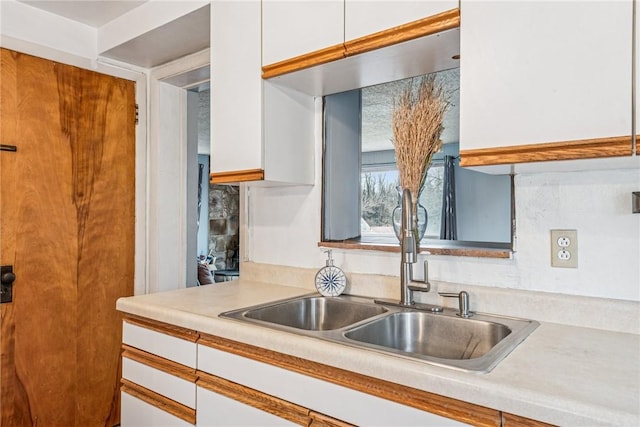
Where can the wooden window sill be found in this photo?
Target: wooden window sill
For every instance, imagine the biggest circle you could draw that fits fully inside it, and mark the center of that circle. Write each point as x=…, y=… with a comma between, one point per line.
x=435, y=247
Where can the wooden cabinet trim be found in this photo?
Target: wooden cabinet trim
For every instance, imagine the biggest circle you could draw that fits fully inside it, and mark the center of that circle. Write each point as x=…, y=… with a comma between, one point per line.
x=164, y=328
x=306, y=60
x=422, y=27
x=617, y=146
x=159, y=401
x=254, y=398
x=317, y=419
x=419, y=399
x=511, y=420
x=160, y=363
x=237, y=176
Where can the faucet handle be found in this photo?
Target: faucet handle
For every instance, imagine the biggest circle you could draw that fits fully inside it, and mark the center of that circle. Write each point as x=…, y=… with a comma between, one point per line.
x=425, y=281
x=463, y=302
x=426, y=275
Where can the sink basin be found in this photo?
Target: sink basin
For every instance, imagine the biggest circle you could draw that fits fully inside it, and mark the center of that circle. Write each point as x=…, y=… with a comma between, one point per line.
x=313, y=313
x=474, y=344
x=429, y=335
x=470, y=344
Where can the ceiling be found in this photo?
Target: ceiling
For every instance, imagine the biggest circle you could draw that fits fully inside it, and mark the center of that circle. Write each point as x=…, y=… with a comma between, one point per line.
x=90, y=12
x=183, y=36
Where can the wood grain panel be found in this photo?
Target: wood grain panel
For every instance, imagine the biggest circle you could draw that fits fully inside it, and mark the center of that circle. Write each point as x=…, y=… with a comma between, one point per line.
x=565, y=150
x=423, y=27
x=402, y=33
x=98, y=118
x=439, y=405
x=159, y=401
x=68, y=212
x=165, y=328
x=237, y=176
x=14, y=390
x=510, y=420
x=281, y=408
x=160, y=363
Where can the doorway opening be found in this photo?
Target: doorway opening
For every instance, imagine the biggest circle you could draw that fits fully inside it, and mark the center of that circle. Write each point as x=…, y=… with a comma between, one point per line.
x=191, y=224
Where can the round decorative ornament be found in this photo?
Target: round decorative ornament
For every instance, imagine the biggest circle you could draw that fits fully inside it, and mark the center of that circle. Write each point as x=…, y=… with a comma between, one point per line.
x=330, y=280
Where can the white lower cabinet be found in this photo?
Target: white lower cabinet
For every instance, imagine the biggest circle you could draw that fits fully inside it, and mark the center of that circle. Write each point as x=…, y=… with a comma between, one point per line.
x=138, y=413
x=158, y=375
x=217, y=410
x=174, y=377
x=344, y=405
x=178, y=389
x=175, y=344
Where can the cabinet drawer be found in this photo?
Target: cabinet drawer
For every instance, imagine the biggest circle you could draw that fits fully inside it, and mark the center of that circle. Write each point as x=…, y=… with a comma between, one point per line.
x=142, y=411
x=174, y=344
x=175, y=388
x=217, y=410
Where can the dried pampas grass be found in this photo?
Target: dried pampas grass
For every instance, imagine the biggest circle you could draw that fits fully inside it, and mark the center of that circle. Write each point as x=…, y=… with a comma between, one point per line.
x=417, y=125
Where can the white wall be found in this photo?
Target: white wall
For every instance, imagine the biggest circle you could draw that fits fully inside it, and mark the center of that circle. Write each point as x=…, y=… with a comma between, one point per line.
x=284, y=229
x=166, y=200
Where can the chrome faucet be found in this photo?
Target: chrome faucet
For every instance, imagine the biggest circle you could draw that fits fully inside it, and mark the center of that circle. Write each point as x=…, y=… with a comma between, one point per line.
x=408, y=257
x=409, y=254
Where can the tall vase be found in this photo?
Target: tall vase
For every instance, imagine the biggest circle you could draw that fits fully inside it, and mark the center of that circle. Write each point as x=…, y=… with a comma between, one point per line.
x=420, y=217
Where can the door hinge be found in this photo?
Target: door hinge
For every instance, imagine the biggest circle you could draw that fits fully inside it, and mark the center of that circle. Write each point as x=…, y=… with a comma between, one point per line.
x=137, y=113
x=4, y=147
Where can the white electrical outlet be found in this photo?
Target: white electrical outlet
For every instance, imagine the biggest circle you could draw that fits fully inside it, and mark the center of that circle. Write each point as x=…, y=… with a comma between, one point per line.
x=564, y=248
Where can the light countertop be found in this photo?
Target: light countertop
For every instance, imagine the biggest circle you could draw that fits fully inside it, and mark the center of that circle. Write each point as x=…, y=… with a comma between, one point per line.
x=563, y=375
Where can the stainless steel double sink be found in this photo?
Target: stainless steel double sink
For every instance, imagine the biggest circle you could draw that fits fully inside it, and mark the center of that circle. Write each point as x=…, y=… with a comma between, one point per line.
x=475, y=344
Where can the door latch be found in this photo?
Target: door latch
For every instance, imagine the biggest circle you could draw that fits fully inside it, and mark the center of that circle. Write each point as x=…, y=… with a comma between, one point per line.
x=7, y=278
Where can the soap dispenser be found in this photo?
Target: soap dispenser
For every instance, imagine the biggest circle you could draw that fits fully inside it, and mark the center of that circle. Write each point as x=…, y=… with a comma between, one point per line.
x=330, y=280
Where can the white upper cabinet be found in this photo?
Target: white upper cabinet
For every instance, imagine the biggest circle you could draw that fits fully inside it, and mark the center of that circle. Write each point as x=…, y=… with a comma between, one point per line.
x=537, y=72
x=236, y=86
x=364, y=17
x=370, y=45
x=292, y=28
x=259, y=132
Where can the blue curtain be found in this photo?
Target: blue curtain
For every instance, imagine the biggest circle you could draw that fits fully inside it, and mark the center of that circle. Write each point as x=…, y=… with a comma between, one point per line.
x=448, y=229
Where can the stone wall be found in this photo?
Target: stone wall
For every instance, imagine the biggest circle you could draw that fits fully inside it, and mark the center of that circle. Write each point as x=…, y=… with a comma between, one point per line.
x=224, y=201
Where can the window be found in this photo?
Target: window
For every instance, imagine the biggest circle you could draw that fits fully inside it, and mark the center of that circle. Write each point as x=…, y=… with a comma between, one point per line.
x=360, y=175
x=379, y=194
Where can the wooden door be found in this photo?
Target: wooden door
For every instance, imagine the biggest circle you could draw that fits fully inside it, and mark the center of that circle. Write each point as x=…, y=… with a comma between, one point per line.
x=67, y=228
